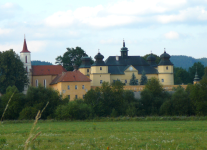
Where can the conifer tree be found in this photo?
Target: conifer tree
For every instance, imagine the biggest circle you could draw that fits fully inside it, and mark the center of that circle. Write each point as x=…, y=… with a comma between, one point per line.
x=133, y=80
x=143, y=78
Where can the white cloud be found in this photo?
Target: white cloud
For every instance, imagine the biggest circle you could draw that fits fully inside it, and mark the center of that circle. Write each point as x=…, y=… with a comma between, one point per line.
x=171, y=35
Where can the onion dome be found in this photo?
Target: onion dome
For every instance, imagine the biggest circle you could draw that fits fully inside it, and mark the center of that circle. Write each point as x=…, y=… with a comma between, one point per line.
x=151, y=60
x=86, y=62
x=165, y=59
x=99, y=60
x=124, y=50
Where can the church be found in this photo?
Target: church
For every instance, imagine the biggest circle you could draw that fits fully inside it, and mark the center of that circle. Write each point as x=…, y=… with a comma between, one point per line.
x=75, y=84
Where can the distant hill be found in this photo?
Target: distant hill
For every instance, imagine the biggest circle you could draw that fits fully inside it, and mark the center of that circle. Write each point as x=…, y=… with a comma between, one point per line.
x=37, y=62
x=185, y=61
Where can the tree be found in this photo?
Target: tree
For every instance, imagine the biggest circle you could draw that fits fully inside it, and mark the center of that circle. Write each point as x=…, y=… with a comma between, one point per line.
x=192, y=71
x=153, y=96
x=16, y=104
x=205, y=73
x=12, y=72
x=143, y=78
x=133, y=80
x=71, y=57
x=37, y=98
x=181, y=76
x=198, y=97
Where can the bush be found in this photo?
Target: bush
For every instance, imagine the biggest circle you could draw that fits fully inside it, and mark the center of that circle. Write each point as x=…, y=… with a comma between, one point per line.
x=74, y=110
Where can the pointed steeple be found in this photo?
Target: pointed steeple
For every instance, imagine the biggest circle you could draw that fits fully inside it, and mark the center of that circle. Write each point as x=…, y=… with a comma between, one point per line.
x=123, y=43
x=25, y=50
x=124, y=51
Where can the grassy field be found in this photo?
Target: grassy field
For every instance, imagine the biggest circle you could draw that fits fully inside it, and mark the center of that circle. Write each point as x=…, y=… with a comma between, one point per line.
x=100, y=135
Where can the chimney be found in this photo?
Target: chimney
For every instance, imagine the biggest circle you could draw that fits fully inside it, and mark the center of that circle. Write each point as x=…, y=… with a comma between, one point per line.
x=117, y=58
x=75, y=67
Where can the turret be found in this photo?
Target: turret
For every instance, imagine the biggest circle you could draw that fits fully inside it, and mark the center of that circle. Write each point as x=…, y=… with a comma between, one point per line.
x=124, y=51
x=196, y=79
x=151, y=60
x=85, y=65
x=165, y=69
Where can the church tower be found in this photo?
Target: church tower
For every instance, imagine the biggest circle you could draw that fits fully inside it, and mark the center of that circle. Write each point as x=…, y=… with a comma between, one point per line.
x=25, y=57
x=124, y=51
x=165, y=70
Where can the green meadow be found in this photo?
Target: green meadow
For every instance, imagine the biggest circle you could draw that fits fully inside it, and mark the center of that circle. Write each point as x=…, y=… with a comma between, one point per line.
x=134, y=135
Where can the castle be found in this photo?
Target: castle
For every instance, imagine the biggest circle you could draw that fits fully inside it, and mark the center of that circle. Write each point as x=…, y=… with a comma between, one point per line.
x=75, y=84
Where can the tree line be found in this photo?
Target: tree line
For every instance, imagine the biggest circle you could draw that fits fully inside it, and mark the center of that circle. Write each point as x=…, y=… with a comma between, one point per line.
x=107, y=101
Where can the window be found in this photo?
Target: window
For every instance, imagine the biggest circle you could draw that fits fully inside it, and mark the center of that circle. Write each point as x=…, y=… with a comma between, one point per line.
x=44, y=83
x=167, y=68
x=76, y=87
x=83, y=87
x=68, y=96
x=76, y=96
x=87, y=70
x=162, y=80
x=125, y=81
x=100, y=81
x=83, y=96
x=26, y=69
x=100, y=68
x=114, y=81
x=68, y=87
x=25, y=59
x=36, y=83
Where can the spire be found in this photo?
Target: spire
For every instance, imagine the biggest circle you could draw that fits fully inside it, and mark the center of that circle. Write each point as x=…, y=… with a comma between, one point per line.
x=123, y=43
x=196, y=76
x=25, y=50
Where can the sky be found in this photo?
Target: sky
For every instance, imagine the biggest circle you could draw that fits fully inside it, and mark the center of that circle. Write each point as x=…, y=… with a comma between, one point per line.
x=50, y=26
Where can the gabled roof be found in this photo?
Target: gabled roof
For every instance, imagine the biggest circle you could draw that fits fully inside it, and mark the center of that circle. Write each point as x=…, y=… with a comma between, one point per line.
x=47, y=70
x=25, y=50
x=71, y=76
x=120, y=65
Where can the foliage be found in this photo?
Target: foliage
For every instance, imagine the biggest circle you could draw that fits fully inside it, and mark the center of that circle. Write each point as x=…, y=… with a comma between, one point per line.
x=153, y=96
x=71, y=57
x=157, y=58
x=76, y=109
x=37, y=98
x=16, y=104
x=181, y=76
x=133, y=80
x=38, y=62
x=178, y=105
x=143, y=78
x=198, y=96
x=205, y=73
x=12, y=72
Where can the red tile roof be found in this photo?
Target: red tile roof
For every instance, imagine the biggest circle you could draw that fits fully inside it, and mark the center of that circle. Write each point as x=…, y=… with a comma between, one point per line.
x=47, y=70
x=71, y=76
x=25, y=50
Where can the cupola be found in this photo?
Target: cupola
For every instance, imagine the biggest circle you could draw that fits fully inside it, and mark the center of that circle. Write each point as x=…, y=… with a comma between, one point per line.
x=165, y=59
x=99, y=60
x=86, y=62
x=124, y=51
x=151, y=60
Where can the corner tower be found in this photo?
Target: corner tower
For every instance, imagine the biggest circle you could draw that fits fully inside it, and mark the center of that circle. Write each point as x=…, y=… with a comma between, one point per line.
x=99, y=71
x=165, y=70
x=25, y=57
x=85, y=67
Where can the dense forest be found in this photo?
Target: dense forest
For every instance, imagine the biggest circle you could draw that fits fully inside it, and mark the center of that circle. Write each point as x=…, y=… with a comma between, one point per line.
x=185, y=61
x=38, y=62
